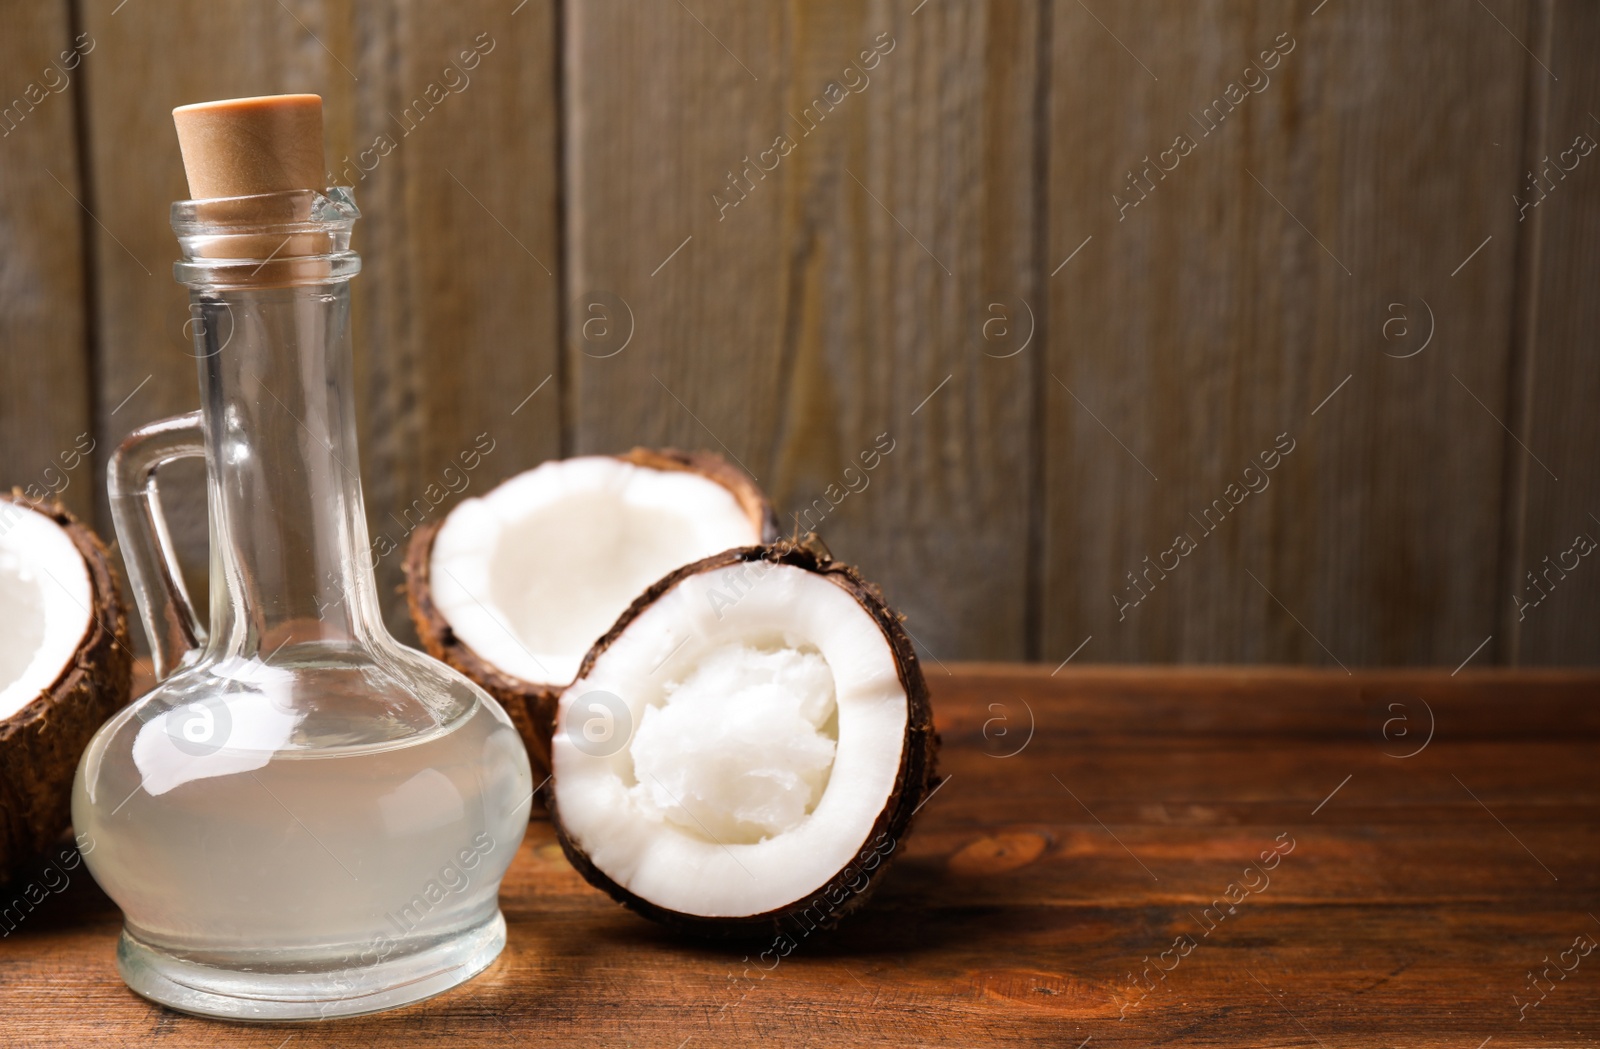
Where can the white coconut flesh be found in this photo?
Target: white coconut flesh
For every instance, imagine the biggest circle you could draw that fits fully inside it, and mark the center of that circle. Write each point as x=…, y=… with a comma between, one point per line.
x=531, y=574
x=45, y=598
x=762, y=720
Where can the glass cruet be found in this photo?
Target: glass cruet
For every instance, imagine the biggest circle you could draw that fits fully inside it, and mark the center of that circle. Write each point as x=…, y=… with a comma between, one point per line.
x=304, y=818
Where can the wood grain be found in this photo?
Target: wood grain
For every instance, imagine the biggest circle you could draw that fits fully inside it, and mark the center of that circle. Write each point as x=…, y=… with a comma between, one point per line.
x=839, y=296
x=1555, y=472
x=563, y=222
x=1236, y=293
x=44, y=359
x=455, y=318
x=1418, y=893
x=458, y=325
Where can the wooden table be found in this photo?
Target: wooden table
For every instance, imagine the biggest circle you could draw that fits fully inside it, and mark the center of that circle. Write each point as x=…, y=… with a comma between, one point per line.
x=1051, y=870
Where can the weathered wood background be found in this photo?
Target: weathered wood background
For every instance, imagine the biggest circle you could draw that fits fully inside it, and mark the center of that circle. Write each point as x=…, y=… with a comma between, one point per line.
x=970, y=230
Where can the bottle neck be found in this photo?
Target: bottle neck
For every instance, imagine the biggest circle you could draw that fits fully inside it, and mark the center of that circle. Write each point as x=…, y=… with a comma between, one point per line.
x=290, y=559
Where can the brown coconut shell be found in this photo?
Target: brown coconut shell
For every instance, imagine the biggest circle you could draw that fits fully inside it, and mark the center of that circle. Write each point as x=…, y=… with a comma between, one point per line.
x=532, y=704
x=40, y=744
x=845, y=891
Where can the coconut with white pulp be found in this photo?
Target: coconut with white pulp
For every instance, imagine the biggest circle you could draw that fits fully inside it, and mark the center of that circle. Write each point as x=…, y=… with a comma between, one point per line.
x=751, y=736
x=65, y=667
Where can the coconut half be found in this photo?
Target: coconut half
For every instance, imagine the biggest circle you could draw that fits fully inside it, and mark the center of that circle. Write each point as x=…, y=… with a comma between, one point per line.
x=65, y=667
x=513, y=588
x=742, y=753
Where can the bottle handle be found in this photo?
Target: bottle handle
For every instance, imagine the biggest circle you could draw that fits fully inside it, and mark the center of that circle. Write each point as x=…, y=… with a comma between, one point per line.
x=164, y=606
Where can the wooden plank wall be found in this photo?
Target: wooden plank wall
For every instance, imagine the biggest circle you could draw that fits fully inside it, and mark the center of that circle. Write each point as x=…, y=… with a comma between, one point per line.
x=1080, y=265
x=1558, y=370
x=43, y=323
x=1353, y=167
x=818, y=305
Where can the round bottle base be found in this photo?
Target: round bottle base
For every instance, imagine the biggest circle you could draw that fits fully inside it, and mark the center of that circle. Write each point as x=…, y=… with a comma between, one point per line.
x=309, y=994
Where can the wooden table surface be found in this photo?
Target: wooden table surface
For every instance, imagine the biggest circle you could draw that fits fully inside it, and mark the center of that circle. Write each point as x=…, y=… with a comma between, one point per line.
x=1431, y=840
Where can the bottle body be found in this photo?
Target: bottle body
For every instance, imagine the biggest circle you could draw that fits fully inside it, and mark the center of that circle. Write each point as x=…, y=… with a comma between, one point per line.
x=332, y=869
x=304, y=818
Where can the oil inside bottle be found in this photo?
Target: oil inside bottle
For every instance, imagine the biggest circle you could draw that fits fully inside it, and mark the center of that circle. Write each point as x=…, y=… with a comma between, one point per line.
x=260, y=818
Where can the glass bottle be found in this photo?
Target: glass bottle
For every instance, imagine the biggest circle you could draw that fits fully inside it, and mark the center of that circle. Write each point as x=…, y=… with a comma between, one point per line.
x=304, y=818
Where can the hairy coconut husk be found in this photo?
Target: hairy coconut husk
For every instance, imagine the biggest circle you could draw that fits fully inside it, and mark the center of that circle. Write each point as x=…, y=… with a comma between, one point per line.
x=839, y=896
x=532, y=704
x=40, y=744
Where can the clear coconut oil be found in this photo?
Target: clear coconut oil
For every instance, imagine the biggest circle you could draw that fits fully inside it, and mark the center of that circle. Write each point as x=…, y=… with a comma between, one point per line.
x=245, y=829
x=303, y=818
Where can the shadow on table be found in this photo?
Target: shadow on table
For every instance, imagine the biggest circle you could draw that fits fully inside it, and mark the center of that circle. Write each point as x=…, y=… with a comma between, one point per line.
x=921, y=908
x=51, y=893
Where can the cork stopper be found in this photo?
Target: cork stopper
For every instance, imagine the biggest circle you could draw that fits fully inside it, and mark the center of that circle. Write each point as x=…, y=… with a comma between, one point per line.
x=245, y=146
x=250, y=164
